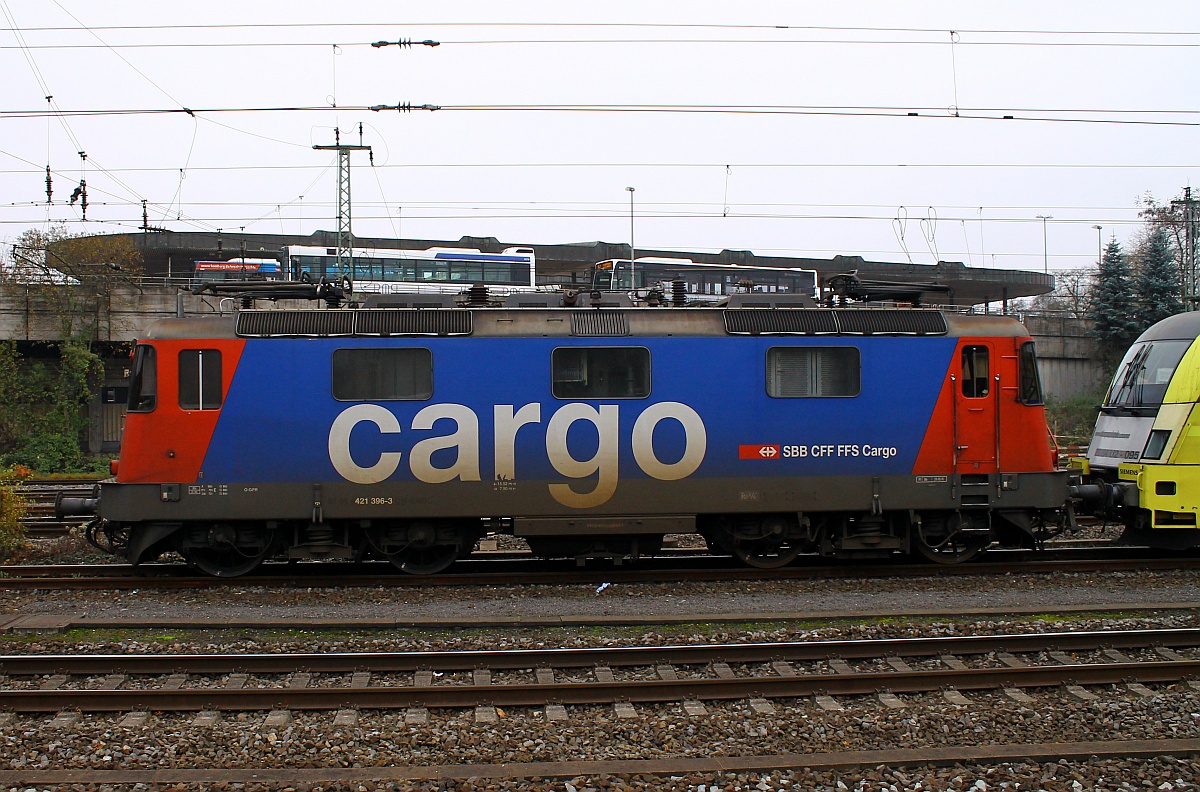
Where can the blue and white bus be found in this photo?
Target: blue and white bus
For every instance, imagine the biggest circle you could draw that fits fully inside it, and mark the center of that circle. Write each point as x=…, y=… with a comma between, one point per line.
x=703, y=280
x=436, y=270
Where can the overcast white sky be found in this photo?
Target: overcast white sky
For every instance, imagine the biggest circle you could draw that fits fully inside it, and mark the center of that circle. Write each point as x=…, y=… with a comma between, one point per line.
x=843, y=170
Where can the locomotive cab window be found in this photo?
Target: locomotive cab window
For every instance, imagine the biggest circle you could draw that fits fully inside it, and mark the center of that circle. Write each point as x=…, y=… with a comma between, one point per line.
x=1029, y=387
x=1143, y=376
x=200, y=379
x=382, y=374
x=601, y=372
x=143, y=380
x=810, y=372
x=976, y=381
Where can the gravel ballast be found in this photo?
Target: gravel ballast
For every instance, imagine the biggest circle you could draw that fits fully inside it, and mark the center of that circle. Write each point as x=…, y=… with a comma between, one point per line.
x=98, y=743
x=815, y=597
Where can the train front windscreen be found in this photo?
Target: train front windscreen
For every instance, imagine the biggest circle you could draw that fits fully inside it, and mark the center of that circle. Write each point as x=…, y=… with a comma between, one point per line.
x=1133, y=400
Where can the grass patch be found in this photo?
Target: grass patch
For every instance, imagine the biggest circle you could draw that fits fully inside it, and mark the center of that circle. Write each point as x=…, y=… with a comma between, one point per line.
x=402, y=639
x=1084, y=616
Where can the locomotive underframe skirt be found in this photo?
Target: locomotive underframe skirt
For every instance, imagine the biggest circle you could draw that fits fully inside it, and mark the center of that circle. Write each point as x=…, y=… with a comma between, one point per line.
x=676, y=501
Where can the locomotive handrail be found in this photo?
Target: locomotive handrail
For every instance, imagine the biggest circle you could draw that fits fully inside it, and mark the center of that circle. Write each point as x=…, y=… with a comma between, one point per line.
x=999, y=478
x=954, y=422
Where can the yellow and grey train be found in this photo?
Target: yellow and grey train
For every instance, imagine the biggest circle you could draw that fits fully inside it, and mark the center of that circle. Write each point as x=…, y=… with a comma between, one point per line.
x=1143, y=464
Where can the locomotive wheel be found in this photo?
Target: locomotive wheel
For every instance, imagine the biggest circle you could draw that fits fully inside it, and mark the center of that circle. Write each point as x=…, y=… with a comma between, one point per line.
x=425, y=560
x=764, y=542
x=954, y=547
x=223, y=561
x=765, y=553
x=228, y=551
x=953, y=551
x=420, y=548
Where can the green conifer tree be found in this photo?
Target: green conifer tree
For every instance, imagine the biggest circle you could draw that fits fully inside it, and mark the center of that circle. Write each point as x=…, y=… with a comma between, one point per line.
x=1115, y=306
x=1158, y=277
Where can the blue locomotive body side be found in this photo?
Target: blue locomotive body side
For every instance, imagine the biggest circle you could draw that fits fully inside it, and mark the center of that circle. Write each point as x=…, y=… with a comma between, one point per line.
x=277, y=423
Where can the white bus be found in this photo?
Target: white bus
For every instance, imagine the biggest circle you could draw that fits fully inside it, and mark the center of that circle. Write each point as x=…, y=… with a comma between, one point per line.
x=702, y=279
x=436, y=270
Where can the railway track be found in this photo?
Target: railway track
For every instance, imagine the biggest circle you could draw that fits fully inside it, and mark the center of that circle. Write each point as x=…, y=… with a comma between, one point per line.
x=39, y=521
x=651, y=773
x=1031, y=671
x=554, y=678
x=520, y=569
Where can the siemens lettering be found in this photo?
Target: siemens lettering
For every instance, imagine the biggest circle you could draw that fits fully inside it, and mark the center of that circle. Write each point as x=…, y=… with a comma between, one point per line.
x=508, y=421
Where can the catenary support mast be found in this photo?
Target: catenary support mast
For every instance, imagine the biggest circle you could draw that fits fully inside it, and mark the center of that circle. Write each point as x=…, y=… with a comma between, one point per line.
x=345, y=237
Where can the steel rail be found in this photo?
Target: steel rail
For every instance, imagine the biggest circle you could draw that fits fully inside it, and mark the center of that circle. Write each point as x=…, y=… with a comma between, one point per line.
x=644, y=691
x=510, y=659
x=120, y=577
x=920, y=756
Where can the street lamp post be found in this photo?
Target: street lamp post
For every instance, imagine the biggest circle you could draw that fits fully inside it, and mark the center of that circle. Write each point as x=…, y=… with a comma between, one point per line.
x=632, y=266
x=1045, y=249
x=1099, y=244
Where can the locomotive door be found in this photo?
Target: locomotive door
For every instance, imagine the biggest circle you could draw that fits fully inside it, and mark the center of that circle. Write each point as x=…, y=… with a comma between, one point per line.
x=975, y=410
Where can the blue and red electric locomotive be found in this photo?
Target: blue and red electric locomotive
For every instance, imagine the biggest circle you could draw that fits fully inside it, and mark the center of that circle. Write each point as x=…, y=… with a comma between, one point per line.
x=407, y=433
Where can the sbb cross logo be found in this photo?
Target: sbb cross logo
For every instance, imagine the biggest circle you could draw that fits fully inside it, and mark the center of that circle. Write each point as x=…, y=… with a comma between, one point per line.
x=758, y=451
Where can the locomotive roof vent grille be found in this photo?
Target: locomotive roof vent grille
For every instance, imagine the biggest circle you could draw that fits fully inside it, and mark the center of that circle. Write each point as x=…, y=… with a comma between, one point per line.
x=768, y=321
x=599, y=323
x=414, y=322
x=890, y=322
x=365, y=322
x=824, y=321
x=295, y=323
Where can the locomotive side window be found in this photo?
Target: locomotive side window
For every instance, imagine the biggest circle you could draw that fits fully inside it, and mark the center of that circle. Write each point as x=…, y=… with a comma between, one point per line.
x=143, y=380
x=1030, y=384
x=601, y=372
x=807, y=372
x=976, y=383
x=200, y=379
x=382, y=374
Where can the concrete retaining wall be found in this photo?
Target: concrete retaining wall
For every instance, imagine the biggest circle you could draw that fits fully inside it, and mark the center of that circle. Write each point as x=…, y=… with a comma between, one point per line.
x=1066, y=351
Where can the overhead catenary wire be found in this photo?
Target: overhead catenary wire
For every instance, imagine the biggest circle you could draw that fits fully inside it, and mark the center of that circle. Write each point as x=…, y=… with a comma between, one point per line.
x=182, y=107
x=808, y=42
x=703, y=208
x=550, y=213
x=411, y=23
x=58, y=113
x=475, y=165
x=81, y=191
x=160, y=89
x=183, y=171
x=52, y=110
x=924, y=113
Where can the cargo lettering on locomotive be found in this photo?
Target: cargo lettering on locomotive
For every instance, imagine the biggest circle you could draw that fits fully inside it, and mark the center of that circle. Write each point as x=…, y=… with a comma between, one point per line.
x=508, y=420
